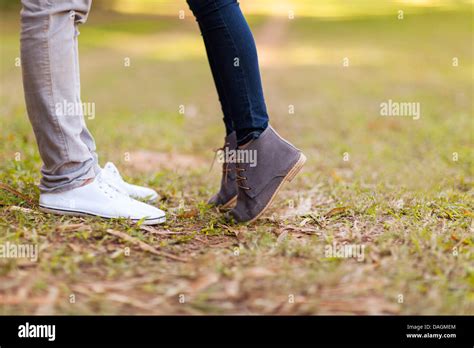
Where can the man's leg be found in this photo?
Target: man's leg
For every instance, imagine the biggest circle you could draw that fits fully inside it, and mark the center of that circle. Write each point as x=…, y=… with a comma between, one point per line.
x=49, y=58
x=72, y=182
x=86, y=136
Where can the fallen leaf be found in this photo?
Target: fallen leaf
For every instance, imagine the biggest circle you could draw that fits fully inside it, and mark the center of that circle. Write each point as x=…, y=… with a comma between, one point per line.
x=72, y=228
x=23, y=210
x=204, y=282
x=258, y=272
x=336, y=211
x=282, y=237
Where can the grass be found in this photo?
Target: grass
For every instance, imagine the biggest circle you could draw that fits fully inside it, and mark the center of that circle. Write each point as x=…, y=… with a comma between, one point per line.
x=400, y=187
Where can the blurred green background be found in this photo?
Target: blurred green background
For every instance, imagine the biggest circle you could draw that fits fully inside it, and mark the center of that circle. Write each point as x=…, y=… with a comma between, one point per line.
x=336, y=107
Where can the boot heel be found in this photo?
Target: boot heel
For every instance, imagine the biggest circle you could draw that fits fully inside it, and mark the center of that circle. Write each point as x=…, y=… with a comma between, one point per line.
x=296, y=168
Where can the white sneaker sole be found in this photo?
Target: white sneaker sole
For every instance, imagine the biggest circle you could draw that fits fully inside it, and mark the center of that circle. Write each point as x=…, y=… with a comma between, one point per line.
x=60, y=211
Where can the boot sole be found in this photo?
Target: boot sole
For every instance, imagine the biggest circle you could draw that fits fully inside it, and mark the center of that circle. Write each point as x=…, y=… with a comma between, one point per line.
x=229, y=204
x=148, y=221
x=289, y=177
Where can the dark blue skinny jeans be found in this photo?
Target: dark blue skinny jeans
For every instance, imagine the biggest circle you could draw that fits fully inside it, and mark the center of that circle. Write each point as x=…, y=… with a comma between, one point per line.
x=233, y=60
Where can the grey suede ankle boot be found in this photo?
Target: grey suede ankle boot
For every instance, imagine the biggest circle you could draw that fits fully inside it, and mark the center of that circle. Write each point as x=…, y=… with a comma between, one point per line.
x=277, y=161
x=227, y=195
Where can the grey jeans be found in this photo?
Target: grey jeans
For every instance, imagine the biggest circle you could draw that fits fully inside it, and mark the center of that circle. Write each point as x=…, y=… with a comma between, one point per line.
x=50, y=66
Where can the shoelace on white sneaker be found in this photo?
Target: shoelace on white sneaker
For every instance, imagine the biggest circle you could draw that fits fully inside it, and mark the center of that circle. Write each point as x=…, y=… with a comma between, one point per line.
x=112, y=171
x=112, y=174
x=108, y=187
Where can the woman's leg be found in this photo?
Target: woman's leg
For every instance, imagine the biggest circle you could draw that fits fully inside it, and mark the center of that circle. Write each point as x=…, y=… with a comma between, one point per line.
x=223, y=98
x=234, y=63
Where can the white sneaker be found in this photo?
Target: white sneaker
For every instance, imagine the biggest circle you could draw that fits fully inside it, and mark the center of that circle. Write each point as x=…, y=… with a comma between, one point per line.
x=100, y=198
x=112, y=174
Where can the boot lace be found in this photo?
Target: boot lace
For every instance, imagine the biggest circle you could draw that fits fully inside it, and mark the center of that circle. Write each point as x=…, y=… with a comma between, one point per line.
x=240, y=179
x=225, y=165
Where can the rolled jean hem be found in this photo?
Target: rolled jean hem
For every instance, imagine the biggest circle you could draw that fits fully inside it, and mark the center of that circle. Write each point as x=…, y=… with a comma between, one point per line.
x=78, y=182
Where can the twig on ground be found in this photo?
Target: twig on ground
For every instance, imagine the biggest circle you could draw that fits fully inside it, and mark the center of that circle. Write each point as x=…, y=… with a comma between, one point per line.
x=18, y=194
x=144, y=246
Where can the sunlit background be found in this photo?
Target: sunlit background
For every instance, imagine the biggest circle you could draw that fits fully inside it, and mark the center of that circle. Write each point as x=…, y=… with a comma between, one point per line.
x=402, y=186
